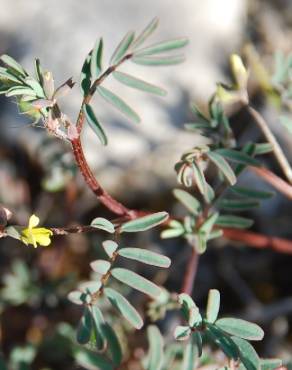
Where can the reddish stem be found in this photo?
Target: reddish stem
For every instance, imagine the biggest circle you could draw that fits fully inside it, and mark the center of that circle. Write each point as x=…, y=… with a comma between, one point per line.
x=190, y=274
x=109, y=202
x=274, y=180
x=258, y=240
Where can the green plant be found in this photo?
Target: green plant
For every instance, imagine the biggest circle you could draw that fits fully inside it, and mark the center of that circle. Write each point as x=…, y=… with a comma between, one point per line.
x=213, y=203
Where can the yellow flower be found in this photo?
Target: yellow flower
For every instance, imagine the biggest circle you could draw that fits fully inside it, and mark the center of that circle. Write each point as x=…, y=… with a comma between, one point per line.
x=239, y=72
x=36, y=235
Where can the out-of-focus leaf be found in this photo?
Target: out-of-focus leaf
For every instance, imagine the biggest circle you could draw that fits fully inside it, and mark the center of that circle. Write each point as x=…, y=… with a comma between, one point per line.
x=190, y=202
x=122, y=48
x=237, y=204
x=145, y=256
x=199, y=177
x=19, y=90
x=138, y=84
x=90, y=287
x=252, y=193
x=271, y=364
x=263, y=148
x=96, y=59
x=118, y=103
x=240, y=328
x=155, y=353
x=92, y=360
x=159, y=61
x=182, y=332
x=213, y=305
x=85, y=76
x=4, y=74
x=103, y=224
x=247, y=354
x=223, y=341
x=237, y=156
x=38, y=71
x=13, y=64
x=113, y=344
x=98, y=324
x=110, y=247
x=190, y=357
x=136, y=281
x=35, y=85
x=124, y=307
x=148, y=30
x=162, y=47
x=189, y=309
x=198, y=341
x=77, y=297
x=94, y=124
x=144, y=223
x=207, y=226
x=287, y=123
x=234, y=221
x=100, y=266
x=223, y=166
x=84, y=327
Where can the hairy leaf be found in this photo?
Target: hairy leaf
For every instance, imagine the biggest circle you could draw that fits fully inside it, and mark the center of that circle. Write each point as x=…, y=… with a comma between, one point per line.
x=100, y=266
x=136, y=281
x=144, y=223
x=247, y=354
x=96, y=59
x=159, y=61
x=85, y=76
x=223, y=166
x=13, y=64
x=84, y=327
x=162, y=47
x=138, y=84
x=240, y=328
x=145, y=256
x=118, y=103
x=113, y=344
x=122, y=48
x=234, y=221
x=103, y=224
x=110, y=247
x=94, y=124
x=124, y=307
x=252, y=193
x=92, y=360
x=149, y=29
x=190, y=202
x=238, y=157
x=213, y=305
x=156, y=344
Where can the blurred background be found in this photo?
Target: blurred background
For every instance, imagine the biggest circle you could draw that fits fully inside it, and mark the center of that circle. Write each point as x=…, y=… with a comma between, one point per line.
x=38, y=174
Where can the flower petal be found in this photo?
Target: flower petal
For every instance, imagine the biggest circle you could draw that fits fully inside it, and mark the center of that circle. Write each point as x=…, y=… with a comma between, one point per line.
x=33, y=221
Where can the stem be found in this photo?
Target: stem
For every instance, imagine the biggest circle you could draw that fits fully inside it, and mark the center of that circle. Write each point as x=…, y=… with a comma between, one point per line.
x=274, y=180
x=279, y=154
x=190, y=275
x=109, y=202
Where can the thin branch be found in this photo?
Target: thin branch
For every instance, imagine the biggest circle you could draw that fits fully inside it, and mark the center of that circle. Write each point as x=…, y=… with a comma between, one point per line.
x=279, y=154
x=274, y=180
x=259, y=240
x=191, y=272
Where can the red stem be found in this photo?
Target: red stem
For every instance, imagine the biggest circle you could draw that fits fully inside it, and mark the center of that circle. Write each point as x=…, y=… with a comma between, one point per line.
x=190, y=274
x=109, y=202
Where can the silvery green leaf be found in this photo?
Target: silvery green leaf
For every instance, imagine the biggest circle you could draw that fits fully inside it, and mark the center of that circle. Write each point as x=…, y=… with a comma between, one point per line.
x=92, y=360
x=84, y=327
x=172, y=233
x=110, y=247
x=113, y=344
x=136, y=281
x=36, y=87
x=77, y=297
x=247, y=354
x=4, y=74
x=222, y=340
x=159, y=61
x=199, y=177
x=145, y=256
x=96, y=59
x=94, y=124
x=124, y=307
x=189, y=309
x=190, y=357
x=16, y=91
x=213, y=305
x=100, y=266
x=138, y=84
x=98, y=324
x=155, y=353
x=13, y=64
x=237, y=156
x=237, y=204
x=223, y=166
x=118, y=103
x=198, y=342
x=38, y=71
x=144, y=223
x=162, y=47
x=240, y=328
x=182, y=332
x=149, y=29
x=252, y=193
x=190, y=202
x=208, y=224
x=264, y=148
x=103, y=224
x=90, y=287
x=85, y=76
x=271, y=363
x=234, y=221
x=122, y=48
